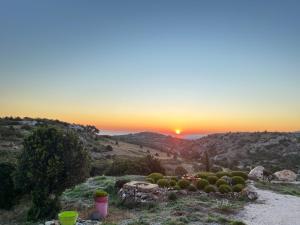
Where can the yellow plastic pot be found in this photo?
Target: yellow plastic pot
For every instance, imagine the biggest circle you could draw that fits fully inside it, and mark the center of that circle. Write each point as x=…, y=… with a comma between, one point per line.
x=68, y=217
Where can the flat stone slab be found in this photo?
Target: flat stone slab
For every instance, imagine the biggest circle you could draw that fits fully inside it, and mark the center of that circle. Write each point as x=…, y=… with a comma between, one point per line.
x=141, y=186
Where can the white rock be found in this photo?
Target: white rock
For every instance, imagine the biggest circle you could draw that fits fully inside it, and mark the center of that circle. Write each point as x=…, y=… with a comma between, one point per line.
x=257, y=173
x=285, y=175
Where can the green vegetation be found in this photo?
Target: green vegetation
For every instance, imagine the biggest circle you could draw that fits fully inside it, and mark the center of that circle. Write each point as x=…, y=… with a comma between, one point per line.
x=222, y=174
x=100, y=193
x=7, y=187
x=210, y=188
x=212, y=179
x=156, y=176
x=238, y=188
x=192, y=188
x=50, y=162
x=172, y=196
x=238, y=180
x=204, y=175
x=164, y=183
x=180, y=171
x=225, y=188
x=240, y=174
x=220, y=182
x=289, y=189
x=201, y=184
x=172, y=183
x=183, y=184
x=150, y=180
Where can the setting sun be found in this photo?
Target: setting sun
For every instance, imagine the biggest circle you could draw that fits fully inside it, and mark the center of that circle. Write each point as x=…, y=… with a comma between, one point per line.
x=178, y=131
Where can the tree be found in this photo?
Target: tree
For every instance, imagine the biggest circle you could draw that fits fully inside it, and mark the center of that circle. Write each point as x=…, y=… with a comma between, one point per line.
x=7, y=188
x=51, y=162
x=180, y=171
x=206, y=160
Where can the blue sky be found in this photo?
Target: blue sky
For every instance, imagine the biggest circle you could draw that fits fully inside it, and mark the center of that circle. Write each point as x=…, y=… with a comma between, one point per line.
x=175, y=63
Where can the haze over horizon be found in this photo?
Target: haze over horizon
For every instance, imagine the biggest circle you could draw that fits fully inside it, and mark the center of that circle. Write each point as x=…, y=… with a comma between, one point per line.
x=198, y=66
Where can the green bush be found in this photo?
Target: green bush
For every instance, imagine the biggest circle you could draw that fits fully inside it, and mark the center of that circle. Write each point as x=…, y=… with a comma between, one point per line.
x=100, y=193
x=238, y=188
x=201, y=184
x=192, y=188
x=180, y=171
x=51, y=161
x=225, y=188
x=174, y=178
x=204, y=175
x=172, y=183
x=210, y=188
x=164, y=183
x=183, y=184
x=238, y=180
x=239, y=174
x=222, y=174
x=220, y=182
x=177, y=187
x=7, y=187
x=212, y=179
x=150, y=180
x=155, y=176
x=172, y=196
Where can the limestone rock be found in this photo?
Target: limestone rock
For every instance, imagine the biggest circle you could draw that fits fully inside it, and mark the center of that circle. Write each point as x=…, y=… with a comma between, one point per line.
x=257, y=173
x=250, y=193
x=285, y=175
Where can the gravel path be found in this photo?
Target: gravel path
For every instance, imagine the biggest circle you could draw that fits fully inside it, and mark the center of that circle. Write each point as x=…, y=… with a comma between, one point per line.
x=272, y=208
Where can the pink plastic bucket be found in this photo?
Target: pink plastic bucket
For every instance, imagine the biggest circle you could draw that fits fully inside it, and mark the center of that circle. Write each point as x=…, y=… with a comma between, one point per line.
x=101, y=205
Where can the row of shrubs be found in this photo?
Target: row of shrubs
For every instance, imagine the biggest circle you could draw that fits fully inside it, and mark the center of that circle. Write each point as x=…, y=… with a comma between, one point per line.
x=205, y=175
x=209, y=182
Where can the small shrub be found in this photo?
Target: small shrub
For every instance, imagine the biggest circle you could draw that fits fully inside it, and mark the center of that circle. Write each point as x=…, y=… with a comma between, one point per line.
x=172, y=196
x=172, y=183
x=210, y=188
x=222, y=174
x=180, y=171
x=150, y=180
x=212, y=179
x=183, y=184
x=156, y=176
x=192, y=188
x=238, y=188
x=100, y=193
x=225, y=188
x=177, y=187
x=239, y=174
x=238, y=180
x=7, y=188
x=204, y=175
x=201, y=184
x=164, y=183
x=220, y=182
x=174, y=178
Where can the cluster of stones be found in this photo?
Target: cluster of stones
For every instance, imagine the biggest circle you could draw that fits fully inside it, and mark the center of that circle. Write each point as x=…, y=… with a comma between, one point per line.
x=261, y=174
x=141, y=192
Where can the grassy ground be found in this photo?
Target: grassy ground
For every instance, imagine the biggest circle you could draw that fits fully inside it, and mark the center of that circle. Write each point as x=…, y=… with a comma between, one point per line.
x=194, y=208
x=290, y=189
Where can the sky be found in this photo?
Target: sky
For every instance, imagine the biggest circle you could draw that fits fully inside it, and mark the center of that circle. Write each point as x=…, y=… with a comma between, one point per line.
x=198, y=66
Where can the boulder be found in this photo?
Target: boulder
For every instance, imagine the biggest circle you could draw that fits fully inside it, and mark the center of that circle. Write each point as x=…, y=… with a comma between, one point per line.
x=257, y=173
x=249, y=193
x=285, y=175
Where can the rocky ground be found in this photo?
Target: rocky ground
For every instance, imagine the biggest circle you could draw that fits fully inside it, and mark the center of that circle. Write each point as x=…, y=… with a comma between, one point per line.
x=272, y=208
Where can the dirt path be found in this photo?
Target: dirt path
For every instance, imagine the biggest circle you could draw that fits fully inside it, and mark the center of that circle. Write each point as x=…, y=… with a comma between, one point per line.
x=272, y=208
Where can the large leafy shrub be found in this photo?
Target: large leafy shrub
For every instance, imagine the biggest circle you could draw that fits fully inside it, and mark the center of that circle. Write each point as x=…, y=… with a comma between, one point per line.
x=7, y=187
x=239, y=174
x=225, y=188
x=201, y=184
x=238, y=180
x=155, y=176
x=180, y=171
x=51, y=162
x=212, y=179
x=164, y=183
x=210, y=188
x=172, y=183
x=183, y=184
x=220, y=182
x=223, y=173
x=238, y=188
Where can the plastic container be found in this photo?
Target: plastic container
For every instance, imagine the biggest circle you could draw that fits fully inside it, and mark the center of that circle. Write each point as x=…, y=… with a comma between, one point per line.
x=68, y=217
x=101, y=205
